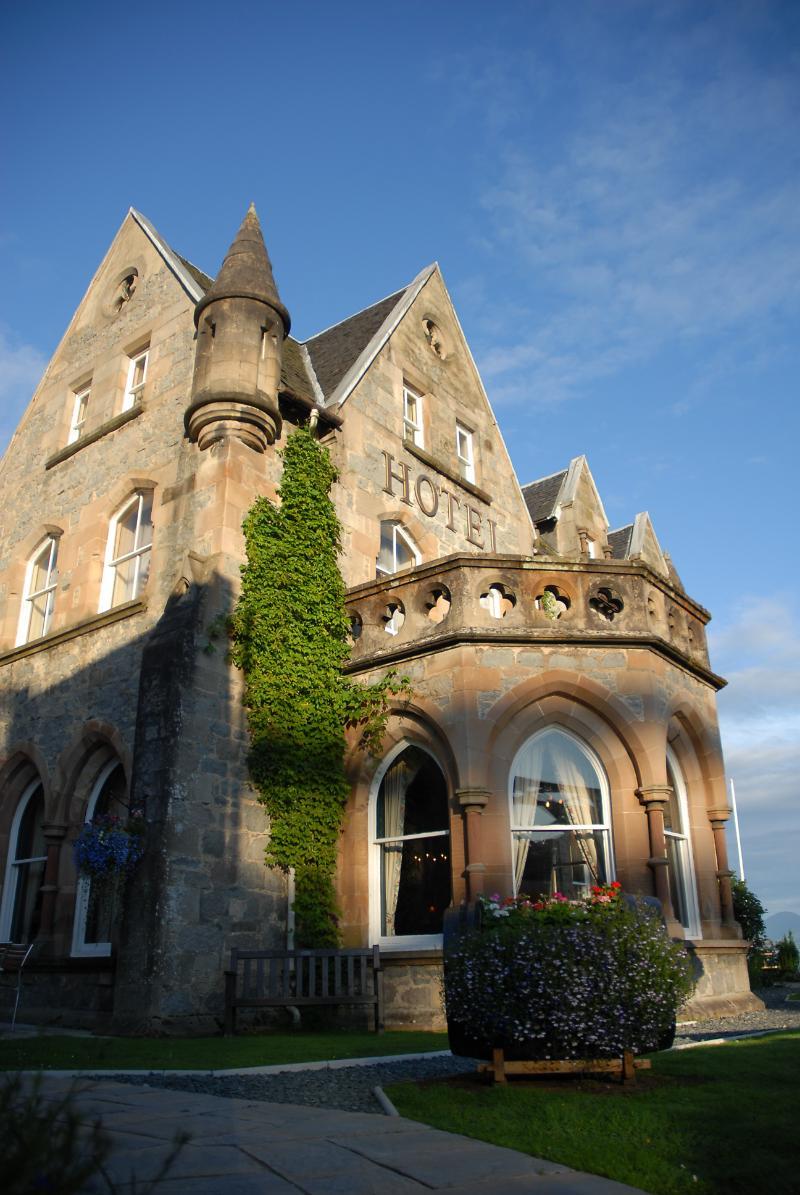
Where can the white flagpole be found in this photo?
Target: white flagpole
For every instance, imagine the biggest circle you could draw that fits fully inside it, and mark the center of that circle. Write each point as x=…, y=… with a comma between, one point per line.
x=736, y=828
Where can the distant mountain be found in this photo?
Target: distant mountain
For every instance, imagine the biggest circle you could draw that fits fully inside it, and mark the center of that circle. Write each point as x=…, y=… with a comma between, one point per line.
x=779, y=924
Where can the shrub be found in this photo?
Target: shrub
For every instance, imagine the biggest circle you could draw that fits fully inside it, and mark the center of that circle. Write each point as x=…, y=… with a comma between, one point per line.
x=567, y=979
x=749, y=912
x=788, y=956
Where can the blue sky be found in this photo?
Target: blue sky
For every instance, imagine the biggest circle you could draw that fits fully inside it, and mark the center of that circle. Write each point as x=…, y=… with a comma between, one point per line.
x=612, y=189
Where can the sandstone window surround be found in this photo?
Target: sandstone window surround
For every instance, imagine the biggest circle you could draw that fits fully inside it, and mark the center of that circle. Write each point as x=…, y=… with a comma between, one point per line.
x=95, y=903
x=413, y=430
x=20, y=911
x=465, y=452
x=39, y=592
x=560, y=817
x=137, y=376
x=80, y=409
x=397, y=550
x=127, y=563
x=410, y=869
x=680, y=865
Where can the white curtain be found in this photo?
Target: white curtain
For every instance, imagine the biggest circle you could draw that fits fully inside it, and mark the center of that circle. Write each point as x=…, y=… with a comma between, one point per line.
x=393, y=794
x=527, y=783
x=578, y=800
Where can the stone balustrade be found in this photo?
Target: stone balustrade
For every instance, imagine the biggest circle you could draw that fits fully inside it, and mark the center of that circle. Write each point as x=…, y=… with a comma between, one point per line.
x=519, y=599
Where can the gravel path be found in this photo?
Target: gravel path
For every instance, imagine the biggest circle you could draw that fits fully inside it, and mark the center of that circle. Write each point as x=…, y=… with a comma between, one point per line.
x=346, y=1087
x=777, y=1015
x=350, y=1087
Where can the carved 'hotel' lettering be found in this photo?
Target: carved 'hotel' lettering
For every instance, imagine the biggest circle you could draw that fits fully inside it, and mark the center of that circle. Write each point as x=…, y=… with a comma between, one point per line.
x=428, y=492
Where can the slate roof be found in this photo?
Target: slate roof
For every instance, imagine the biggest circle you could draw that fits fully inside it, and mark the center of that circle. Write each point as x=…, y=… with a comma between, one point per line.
x=333, y=351
x=620, y=542
x=541, y=496
x=202, y=280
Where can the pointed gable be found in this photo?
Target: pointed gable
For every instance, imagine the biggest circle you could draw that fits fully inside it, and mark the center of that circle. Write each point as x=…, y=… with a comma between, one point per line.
x=619, y=542
x=335, y=350
x=541, y=497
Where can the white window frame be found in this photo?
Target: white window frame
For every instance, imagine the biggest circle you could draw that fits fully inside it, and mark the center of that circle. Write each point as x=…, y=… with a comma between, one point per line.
x=605, y=801
x=26, y=607
x=413, y=431
x=682, y=840
x=83, y=890
x=133, y=392
x=12, y=864
x=79, y=409
x=397, y=530
x=402, y=941
x=111, y=562
x=466, y=458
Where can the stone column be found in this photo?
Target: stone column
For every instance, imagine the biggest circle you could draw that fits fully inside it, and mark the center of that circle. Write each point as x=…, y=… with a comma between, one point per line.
x=54, y=833
x=718, y=818
x=653, y=798
x=473, y=801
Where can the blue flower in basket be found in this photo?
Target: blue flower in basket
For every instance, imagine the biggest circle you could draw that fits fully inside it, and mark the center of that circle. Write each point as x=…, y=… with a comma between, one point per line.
x=109, y=846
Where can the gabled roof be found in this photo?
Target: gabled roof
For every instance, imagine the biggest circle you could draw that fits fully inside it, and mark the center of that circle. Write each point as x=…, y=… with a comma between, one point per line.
x=341, y=355
x=541, y=497
x=620, y=542
x=333, y=351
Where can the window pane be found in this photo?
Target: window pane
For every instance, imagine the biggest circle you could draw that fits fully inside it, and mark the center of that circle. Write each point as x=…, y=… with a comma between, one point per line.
x=30, y=836
x=142, y=574
x=40, y=573
x=555, y=785
x=125, y=539
x=146, y=522
x=568, y=862
x=40, y=620
x=672, y=810
x=124, y=577
x=26, y=914
x=415, y=873
x=676, y=862
x=403, y=554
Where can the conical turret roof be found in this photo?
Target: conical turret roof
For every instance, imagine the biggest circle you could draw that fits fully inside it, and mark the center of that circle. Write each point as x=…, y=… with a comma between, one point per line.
x=246, y=272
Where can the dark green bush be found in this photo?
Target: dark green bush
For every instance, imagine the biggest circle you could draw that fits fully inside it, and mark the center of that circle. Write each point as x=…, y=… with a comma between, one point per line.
x=788, y=956
x=749, y=912
x=561, y=979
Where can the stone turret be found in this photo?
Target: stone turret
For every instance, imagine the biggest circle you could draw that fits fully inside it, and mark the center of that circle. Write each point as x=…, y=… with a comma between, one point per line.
x=241, y=325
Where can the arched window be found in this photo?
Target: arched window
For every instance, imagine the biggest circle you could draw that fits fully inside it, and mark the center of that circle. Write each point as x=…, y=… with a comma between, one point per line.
x=411, y=853
x=560, y=827
x=41, y=578
x=130, y=538
x=398, y=550
x=679, y=852
x=95, y=902
x=27, y=855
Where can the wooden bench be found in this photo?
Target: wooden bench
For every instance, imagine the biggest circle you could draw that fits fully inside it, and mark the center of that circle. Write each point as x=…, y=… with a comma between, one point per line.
x=297, y=978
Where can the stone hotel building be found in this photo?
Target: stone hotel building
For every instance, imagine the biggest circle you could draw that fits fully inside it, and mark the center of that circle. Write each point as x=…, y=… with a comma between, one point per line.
x=562, y=727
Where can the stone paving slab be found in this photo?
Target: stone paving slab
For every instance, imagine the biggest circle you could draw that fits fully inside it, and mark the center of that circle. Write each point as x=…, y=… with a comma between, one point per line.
x=240, y=1147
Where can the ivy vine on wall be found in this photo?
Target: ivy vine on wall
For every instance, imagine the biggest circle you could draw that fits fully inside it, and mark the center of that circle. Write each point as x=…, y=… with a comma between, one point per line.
x=290, y=635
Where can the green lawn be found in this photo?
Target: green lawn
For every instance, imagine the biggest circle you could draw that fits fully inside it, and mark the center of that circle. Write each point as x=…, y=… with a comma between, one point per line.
x=206, y=1053
x=708, y=1120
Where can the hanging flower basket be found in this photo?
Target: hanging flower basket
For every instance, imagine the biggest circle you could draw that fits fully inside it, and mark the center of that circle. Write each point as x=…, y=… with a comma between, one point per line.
x=110, y=846
x=563, y=979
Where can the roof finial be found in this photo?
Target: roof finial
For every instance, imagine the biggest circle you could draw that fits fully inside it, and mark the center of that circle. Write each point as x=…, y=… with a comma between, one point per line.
x=246, y=272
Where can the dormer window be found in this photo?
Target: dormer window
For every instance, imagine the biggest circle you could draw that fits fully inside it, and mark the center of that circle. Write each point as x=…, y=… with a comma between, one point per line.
x=398, y=550
x=412, y=416
x=41, y=578
x=465, y=453
x=137, y=374
x=79, y=410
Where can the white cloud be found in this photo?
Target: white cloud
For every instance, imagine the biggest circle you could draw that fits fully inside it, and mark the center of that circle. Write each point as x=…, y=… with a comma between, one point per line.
x=661, y=209
x=21, y=367
x=759, y=651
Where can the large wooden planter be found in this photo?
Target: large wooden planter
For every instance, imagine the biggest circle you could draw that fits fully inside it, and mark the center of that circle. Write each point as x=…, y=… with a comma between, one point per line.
x=464, y=1044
